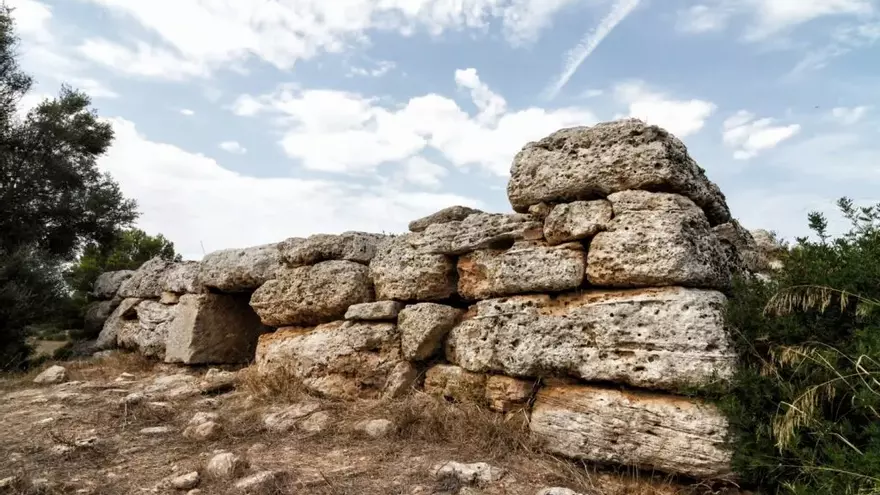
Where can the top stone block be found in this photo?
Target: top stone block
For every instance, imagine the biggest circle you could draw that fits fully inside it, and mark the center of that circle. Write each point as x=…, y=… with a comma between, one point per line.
x=583, y=163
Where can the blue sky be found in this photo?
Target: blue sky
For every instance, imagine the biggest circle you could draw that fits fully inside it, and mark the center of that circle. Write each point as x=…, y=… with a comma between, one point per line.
x=242, y=122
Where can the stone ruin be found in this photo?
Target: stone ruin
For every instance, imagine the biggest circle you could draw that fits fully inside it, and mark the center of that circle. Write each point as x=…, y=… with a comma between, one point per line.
x=590, y=308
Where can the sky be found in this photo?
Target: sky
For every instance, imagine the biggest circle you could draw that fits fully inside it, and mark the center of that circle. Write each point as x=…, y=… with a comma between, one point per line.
x=243, y=122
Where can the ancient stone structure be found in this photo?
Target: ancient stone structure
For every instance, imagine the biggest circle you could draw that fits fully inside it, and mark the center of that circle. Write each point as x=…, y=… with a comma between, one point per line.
x=590, y=308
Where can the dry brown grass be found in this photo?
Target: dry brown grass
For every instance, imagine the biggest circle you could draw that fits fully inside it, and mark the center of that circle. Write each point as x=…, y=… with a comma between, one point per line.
x=278, y=386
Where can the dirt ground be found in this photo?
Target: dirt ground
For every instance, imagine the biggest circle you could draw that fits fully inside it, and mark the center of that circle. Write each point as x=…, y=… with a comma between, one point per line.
x=86, y=436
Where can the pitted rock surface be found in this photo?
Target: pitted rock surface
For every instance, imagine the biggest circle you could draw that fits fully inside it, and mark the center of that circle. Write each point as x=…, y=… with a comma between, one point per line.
x=374, y=311
x=584, y=163
x=240, y=270
x=108, y=283
x=652, y=338
x=528, y=266
x=359, y=247
x=149, y=334
x=656, y=239
x=182, y=278
x=423, y=327
x=446, y=215
x=578, y=220
x=478, y=231
x=146, y=282
x=314, y=294
x=401, y=272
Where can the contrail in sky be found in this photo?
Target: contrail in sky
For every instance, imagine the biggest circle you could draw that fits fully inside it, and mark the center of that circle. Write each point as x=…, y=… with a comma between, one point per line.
x=576, y=56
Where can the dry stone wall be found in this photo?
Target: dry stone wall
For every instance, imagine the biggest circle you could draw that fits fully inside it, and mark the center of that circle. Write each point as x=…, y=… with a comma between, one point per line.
x=590, y=308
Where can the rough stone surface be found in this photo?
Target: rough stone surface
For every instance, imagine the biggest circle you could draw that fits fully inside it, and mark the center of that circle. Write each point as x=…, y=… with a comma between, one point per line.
x=769, y=249
x=316, y=422
x=213, y=329
x=287, y=419
x=655, y=338
x=238, y=270
x=216, y=380
x=455, y=383
x=656, y=239
x=666, y=433
x=208, y=430
x=423, y=327
x=401, y=272
x=185, y=481
x=505, y=393
x=577, y=220
x=149, y=335
x=557, y=491
x=182, y=278
x=340, y=359
x=146, y=282
x=107, y=284
x=358, y=247
x=169, y=298
x=375, y=428
x=446, y=215
x=528, y=266
x=156, y=430
x=315, y=294
x=374, y=311
x=52, y=374
x=262, y=483
x=478, y=231
x=225, y=466
x=584, y=163
x=477, y=473
x=121, y=318
x=739, y=247
x=97, y=314
x=401, y=380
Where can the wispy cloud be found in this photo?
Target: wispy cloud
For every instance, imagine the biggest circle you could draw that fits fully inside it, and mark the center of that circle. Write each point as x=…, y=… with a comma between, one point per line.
x=588, y=44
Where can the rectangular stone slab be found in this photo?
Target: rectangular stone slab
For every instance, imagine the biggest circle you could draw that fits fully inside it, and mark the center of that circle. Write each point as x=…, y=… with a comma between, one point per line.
x=213, y=329
x=660, y=338
x=654, y=432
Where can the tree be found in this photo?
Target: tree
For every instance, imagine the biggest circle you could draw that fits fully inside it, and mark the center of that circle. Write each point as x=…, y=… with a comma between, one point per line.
x=53, y=199
x=128, y=250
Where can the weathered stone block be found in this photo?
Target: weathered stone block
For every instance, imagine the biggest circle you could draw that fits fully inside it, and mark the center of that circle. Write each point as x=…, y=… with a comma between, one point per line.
x=584, y=163
x=578, y=220
x=478, y=231
x=359, y=247
x=506, y=393
x=108, y=283
x=213, y=329
x=146, y=282
x=655, y=338
x=653, y=432
x=656, y=239
x=240, y=270
x=423, y=327
x=339, y=359
x=528, y=266
x=182, y=278
x=309, y=295
x=446, y=215
x=374, y=311
x=97, y=314
x=123, y=316
x=455, y=383
x=400, y=271
x=149, y=335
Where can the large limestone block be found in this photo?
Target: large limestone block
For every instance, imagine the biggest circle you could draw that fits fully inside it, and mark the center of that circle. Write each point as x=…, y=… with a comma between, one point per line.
x=583, y=163
x=107, y=284
x=359, y=247
x=478, y=231
x=446, y=215
x=739, y=248
x=374, y=311
x=149, y=335
x=655, y=338
x=528, y=266
x=123, y=316
x=770, y=250
x=240, y=270
x=656, y=239
x=146, y=282
x=578, y=220
x=423, y=327
x=309, y=295
x=401, y=272
x=455, y=383
x=182, y=278
x=97, y=314
x=213, y=329
x=340, y=359
x=505, y=393
x=653, y=432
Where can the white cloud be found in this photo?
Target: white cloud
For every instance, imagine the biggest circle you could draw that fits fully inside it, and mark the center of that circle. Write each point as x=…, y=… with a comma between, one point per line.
x=422, y=172
x=337, y=131
x=592, y=93
x=620, y=10
x=849, y=116
x=380, y=69
x=93, y=88
x=844, y=40
x=187, y=112
x=32, y=19
x=680, y=117
x=749, y=137
x=703, y=18
x=285, y=31
x=193, y=200
x=233, y=147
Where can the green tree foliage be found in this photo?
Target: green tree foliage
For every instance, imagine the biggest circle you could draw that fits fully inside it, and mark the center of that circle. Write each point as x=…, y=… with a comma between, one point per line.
x=53, y=199
x=805, y=407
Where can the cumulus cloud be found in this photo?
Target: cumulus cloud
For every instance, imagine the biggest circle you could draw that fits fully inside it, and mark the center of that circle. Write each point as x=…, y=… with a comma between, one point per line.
x=422, y=172
x=195, y=201
x=680, y=117
x=344, y=132
x=378, y=70
x=187, y=112
x=749, y=136
x=233, y=147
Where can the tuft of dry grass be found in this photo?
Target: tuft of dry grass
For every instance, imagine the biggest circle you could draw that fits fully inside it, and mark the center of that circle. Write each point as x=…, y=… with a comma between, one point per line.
x=278, y=385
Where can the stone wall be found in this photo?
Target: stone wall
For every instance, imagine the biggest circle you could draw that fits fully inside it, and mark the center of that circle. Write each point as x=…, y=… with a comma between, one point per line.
x=589, y=308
